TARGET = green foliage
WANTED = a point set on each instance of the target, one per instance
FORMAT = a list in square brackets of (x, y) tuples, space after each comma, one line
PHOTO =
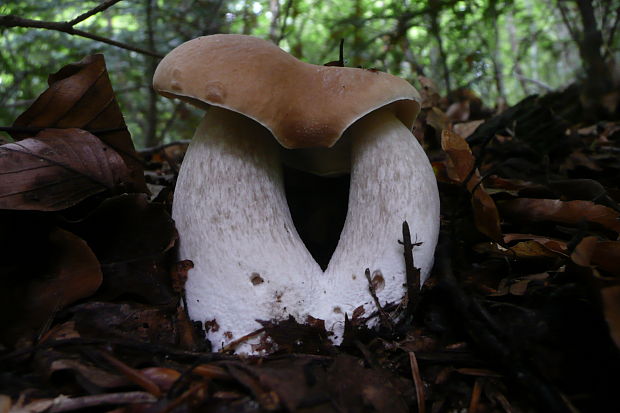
[(499, 48)]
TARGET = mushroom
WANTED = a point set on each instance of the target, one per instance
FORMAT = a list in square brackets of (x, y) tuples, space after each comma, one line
[(230, 207)]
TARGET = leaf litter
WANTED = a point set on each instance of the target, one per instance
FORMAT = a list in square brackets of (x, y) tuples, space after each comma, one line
[(520, 314)]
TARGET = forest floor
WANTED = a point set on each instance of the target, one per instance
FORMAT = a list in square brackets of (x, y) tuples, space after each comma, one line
[(521, 312)]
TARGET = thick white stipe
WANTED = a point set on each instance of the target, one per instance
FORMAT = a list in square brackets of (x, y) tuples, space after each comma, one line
[(249, 261)]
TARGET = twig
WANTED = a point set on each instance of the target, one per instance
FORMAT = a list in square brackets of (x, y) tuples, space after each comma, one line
[(474, 403), (194, 388), (538, 83), (132, 374), (103, 6), (10, 20), (412, 273), (382, 314), (65, 404), (28, 129), (573, 32), (418, 382), (233, 344), (340, 61)]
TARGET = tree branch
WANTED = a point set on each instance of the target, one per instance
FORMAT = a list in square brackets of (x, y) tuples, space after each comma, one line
[(66, 27), (103, 6)]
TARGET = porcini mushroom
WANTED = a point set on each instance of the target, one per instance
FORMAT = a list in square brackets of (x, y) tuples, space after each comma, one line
[(230, 206)]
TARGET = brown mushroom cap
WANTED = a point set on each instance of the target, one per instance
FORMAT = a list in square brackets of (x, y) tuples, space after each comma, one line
[(302, 105)]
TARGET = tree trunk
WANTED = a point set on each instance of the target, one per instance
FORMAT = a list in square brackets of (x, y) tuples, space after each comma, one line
[(495, 53), (434, 10), (598, 76), (150, 134)]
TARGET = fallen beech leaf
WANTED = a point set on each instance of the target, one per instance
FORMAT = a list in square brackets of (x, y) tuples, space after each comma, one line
[(429, 93), (570, 212), (458, 111), (57, 169), (72, 273), (550, 244), (459, 168), (80, 95), (466, 129), (607, 256), (437, 119), (611, 308), (582, 254), (461, 160), (531, 249), (603, 254)]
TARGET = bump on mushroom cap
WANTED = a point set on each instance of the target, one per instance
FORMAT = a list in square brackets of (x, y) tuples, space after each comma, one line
[(302, 105)]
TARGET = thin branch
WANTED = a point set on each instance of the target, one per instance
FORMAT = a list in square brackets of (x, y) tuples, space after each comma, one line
[(385, 319), (65, 27), (103, 6), (538, 83), (566, 20), (612, 33), (287, 12)]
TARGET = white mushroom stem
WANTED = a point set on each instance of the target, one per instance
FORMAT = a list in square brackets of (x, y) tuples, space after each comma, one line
[(391, 181), (234, 224), (249, 262)]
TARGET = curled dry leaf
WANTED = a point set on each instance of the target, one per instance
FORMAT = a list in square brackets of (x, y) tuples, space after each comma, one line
[(570, 212), (459, 167), (80, 95), (57, 169)]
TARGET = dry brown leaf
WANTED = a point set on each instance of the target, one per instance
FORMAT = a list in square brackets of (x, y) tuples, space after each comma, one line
[(467, 128), (553, 245), (72, 273), (582, 254), (57, 169), (603, 254), (437, 119), (607, 256), (570, 212), (163, 377), (429, 93), (80, 95), (458, 111), (459, 167), (531, 249)]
